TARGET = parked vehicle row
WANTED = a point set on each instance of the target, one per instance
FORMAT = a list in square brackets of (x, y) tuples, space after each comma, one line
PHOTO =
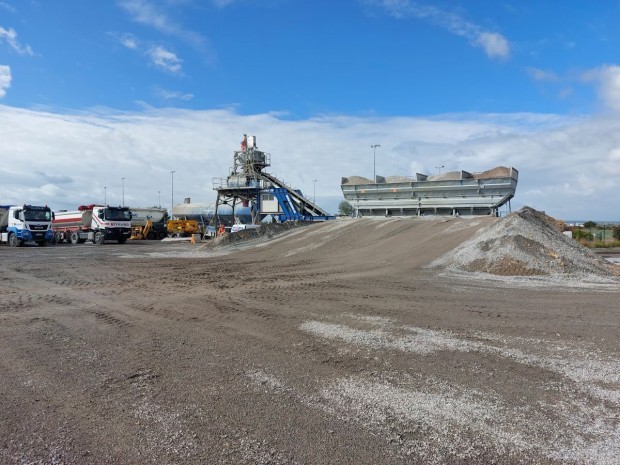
[(95, 223)]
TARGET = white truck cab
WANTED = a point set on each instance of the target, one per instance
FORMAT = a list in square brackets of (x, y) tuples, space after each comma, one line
[(26, 223)]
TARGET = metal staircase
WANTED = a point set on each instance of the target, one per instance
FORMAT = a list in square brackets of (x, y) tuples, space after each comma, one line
[(301, 205)]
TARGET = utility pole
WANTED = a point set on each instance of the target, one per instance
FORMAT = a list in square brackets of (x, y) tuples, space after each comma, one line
[(123, 189), (314, 191), (172, 196), (374, 161), (105, 196)]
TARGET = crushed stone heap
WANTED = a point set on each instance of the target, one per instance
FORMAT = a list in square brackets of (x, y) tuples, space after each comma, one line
[(524, 243)]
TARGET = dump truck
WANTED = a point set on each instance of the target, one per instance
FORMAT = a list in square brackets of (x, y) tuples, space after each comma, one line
[(96, 223), (26, 223), (149, 223)]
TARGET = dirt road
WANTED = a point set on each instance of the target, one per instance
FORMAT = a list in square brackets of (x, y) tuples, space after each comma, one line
[(331, 344)]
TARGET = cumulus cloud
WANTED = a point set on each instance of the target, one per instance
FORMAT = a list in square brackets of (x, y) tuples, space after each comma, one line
[(5, 79), (494, 44), (566, 165), (165, 59), (607, 79), (10, 37)]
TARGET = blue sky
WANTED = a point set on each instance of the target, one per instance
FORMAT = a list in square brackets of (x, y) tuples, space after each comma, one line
[(92, 91)]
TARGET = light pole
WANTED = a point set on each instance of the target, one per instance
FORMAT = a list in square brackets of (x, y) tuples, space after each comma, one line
[(123, 189), (374, 161), (172, 197), (105, 196), (159, 198), (438, 168), (314, 191)]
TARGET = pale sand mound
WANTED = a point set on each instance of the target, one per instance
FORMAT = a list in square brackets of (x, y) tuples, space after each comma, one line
[(524, 243)]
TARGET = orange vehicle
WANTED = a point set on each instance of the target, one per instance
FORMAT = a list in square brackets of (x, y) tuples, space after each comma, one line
[(183, 228)]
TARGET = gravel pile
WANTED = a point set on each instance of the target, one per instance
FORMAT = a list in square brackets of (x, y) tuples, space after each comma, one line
[(392, 179), (355, 180), (524, 243), (498, 172), (447, 176)]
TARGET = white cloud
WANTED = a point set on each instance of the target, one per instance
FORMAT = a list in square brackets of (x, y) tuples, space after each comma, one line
[(608, 80), (10, 36), (173, 95), (611, 162), (566, 166), (165, 59), (542, 75), (129, 41), (158, 55), (146, 12), (5, 79), (494, 44)]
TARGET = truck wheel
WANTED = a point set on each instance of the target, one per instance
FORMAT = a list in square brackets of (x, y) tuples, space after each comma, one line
[(75, 238), (150, 236), (58, 237), (99, 238), (162, 235), (122, 240), (13, 240)]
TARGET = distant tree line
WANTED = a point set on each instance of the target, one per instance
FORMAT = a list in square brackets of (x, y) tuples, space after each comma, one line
[(585, 232), (345, 209)]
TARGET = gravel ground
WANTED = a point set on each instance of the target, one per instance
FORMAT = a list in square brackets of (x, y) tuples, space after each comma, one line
[(332, 343)]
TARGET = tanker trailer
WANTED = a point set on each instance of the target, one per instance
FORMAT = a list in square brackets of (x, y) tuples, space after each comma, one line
[(149, 223), (203, 213), (94, 223), (19, 224)]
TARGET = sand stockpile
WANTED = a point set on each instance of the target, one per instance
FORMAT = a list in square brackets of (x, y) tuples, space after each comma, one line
[(498, 172), (524, 243)]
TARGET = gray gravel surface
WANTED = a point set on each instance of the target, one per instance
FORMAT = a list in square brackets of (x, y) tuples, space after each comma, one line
[(331, 343)]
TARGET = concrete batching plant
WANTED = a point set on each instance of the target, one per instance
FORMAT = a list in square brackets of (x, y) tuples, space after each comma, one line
[(249, 186)]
